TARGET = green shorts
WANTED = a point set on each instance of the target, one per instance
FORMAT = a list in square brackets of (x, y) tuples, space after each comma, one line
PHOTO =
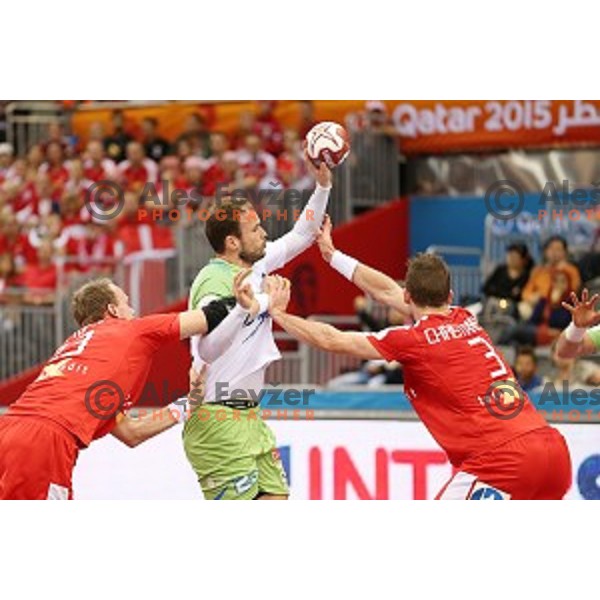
[(233, 453)]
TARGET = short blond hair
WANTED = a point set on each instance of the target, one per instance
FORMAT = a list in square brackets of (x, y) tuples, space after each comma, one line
[(90, 302)]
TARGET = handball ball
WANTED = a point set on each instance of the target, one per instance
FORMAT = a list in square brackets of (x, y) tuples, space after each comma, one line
[(327, 142)]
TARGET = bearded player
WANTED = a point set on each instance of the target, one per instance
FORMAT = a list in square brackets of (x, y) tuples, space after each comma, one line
[(453, 374), (85, 389), (233, 454)]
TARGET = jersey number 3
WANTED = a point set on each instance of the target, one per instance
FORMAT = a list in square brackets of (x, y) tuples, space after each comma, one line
[(491, 354)]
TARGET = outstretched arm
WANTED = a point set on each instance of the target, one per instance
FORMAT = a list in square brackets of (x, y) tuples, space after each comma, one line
[(319, 335), (203, 320), (577, 339), (326, 337), (378, 285), (132, 431), (306, 228)]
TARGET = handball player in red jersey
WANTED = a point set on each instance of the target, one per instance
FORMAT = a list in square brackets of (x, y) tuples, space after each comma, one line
[(86, 388), (458, 383)]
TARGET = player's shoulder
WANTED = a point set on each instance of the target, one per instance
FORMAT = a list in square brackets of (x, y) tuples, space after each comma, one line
[(214, 279), (215, 270), (391, 332)]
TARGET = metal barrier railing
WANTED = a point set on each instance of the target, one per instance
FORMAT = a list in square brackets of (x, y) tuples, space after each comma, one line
[(320, 367), (372, 169), (27, 336), (27, 123)]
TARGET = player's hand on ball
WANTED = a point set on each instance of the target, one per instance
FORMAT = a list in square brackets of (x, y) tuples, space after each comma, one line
[(582, 311), (279, 290), (322, 174), (243, 291), (324, 240)]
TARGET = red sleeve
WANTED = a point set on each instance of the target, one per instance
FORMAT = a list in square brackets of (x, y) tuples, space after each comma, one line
[(158, 329), (395, 343)]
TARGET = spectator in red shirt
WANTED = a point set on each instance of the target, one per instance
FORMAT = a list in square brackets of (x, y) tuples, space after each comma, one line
[(15, 242), (183, 151), (137, 170), (156, 147), (94, 251), (138, 232), (268, 128), (55, 168), (194, 168), (40, 278), (74, 214), (35, 157), (57, 135), (96, 166), (258, 167), (291, 167), (216, 171), (77, 182)]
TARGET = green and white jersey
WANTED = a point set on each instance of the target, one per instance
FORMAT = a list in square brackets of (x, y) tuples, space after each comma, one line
[(240, 349)]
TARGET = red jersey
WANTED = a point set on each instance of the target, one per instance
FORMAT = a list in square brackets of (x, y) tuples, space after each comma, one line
[(450, 365), (109, 361)]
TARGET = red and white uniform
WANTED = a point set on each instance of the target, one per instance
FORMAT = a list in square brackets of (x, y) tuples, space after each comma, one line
[(62, 411), (102, 171), (450, 365), (135, 177), (58, 175)]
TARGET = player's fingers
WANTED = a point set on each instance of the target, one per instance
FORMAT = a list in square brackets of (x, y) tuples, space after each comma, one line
[(568, 307), (593, 300), (241, 276)]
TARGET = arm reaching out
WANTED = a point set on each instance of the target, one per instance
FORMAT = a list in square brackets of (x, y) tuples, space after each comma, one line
[(133, 431), (204, 320), (306, 228), (319, 335), (378, 285), (576, 340)]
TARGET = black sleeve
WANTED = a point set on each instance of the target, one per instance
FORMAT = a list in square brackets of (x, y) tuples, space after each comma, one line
[(217, 310)]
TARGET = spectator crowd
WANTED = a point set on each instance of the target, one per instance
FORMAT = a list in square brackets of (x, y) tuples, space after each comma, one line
[(47, 231)]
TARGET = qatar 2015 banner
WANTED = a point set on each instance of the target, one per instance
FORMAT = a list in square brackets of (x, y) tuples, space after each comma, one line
[(421, 126)]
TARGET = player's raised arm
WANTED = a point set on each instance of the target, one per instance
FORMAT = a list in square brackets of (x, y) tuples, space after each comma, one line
[(319, 335), (378, 285), (204, 320), (306, 228), (578, 339)]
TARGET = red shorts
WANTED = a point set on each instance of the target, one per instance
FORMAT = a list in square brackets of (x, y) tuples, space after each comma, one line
[(533, 466), (37, 457)]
